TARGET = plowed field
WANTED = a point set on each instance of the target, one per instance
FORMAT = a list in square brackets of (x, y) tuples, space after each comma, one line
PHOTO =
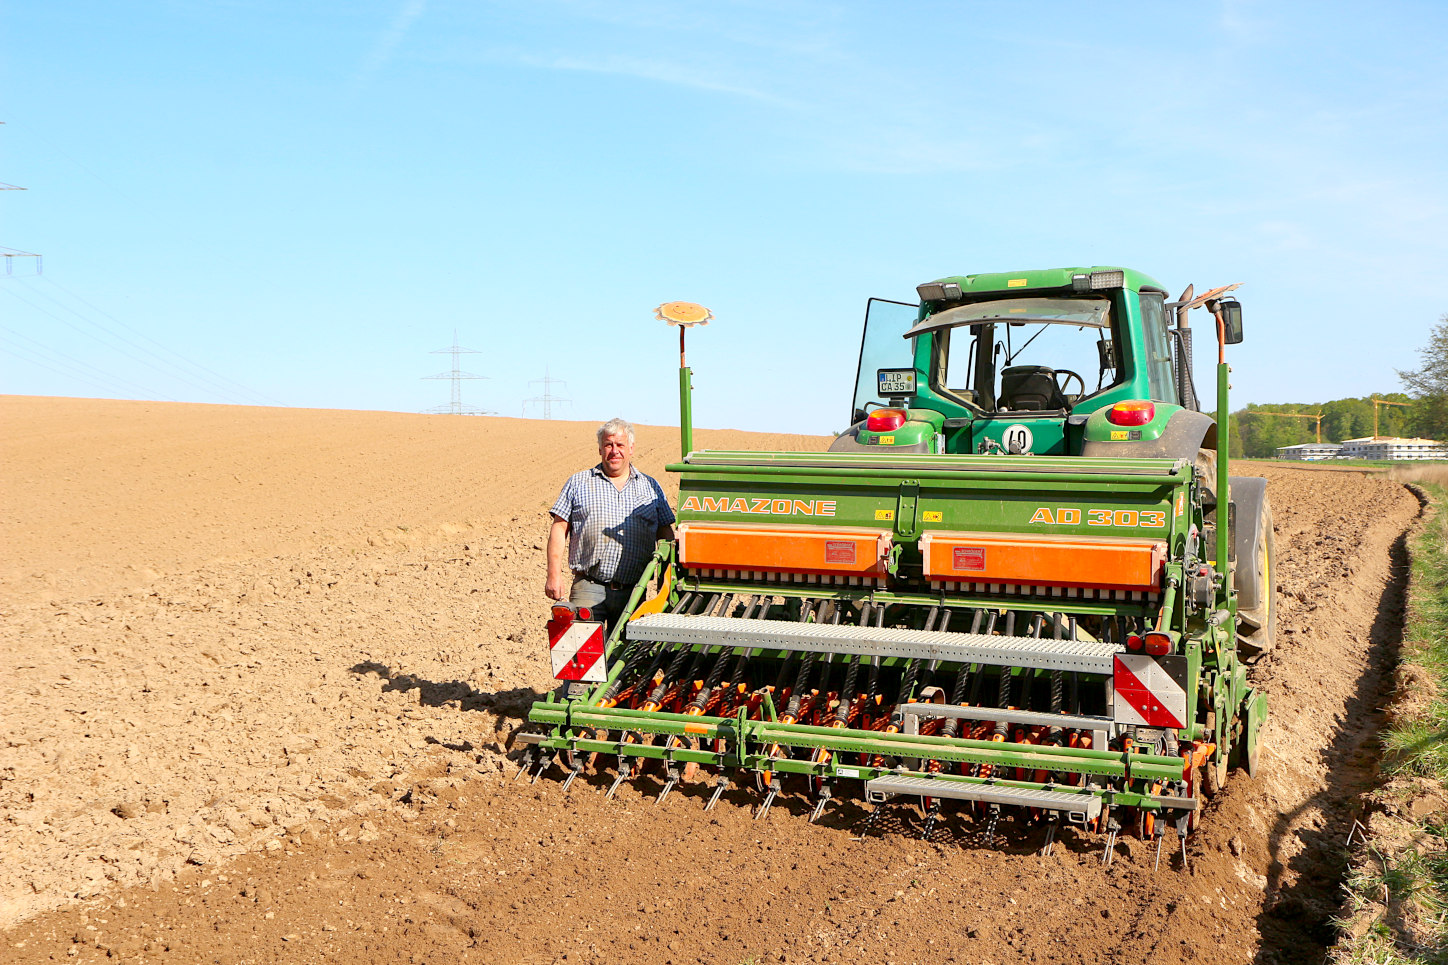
[(263, 665)]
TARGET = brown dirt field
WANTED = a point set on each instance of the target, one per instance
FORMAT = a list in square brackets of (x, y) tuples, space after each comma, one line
[(264, 664)]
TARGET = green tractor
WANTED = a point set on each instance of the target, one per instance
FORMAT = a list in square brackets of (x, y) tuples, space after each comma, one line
[(1000, 363), (1010, 590)]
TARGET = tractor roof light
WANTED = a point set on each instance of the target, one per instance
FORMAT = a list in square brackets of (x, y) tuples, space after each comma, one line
[(1108, 279), (939, 291), (1159, 643), (1080, 283), (1137, 412), (885, 420)]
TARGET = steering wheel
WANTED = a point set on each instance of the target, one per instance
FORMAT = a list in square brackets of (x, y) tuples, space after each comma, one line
[(1069, 375)]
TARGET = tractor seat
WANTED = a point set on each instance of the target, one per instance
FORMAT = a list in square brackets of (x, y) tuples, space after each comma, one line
[(1030, 388)]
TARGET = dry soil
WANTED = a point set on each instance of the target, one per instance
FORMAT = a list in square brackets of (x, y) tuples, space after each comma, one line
[(264, 664)]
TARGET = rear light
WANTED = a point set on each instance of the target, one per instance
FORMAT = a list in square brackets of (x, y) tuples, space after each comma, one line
[(584, 613), (1133, 641), (1135, 413), (1158, 643), (562, 611), (885, 420)]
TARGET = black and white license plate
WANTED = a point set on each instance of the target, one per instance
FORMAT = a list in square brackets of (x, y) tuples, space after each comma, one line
[(896, 382)]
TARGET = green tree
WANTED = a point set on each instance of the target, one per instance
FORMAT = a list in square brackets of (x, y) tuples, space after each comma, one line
[(1428, 385)]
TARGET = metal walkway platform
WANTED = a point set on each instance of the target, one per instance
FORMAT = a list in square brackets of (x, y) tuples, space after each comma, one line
[(1072, 655)]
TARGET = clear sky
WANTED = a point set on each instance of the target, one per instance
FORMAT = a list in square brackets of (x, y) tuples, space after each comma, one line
[(294, 203)]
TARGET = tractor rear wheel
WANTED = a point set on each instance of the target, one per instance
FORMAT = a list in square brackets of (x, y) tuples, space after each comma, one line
[(1257, 627)]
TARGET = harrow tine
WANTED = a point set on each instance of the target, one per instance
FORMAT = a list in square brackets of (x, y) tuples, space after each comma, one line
[(1110, 846), (768, 800), (1052, 826), (527, 763), (668, 786), (870, 820), (573, 773), (931, 817), (1160, 837), (819, 807), (543, 762), (623, 775), (719, 788), (990, 824), (1183, 839)]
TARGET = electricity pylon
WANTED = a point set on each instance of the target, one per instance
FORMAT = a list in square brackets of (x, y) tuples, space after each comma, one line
[(457, 375), (547, 398)]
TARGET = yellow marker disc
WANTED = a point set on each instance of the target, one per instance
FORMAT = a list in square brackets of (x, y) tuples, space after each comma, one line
[(683, 313)]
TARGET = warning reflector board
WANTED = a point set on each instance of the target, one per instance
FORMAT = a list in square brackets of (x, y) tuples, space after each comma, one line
[(1150, 690), (576, 649)]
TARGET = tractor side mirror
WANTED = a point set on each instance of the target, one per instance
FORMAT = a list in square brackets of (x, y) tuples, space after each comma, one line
[(1231, 310)]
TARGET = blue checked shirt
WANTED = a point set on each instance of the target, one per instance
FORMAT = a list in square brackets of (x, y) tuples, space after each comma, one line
[(611, 531)]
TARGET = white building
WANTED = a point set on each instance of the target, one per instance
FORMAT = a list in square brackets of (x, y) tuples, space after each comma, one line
[(1386, 447), (1309, 451)]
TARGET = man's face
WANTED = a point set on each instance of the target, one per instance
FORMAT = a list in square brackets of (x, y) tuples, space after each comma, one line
[(616, 452)]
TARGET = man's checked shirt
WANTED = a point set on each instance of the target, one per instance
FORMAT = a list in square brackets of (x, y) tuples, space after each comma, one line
[(611, 531)]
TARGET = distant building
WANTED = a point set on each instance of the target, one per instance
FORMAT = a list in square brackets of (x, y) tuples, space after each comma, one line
[(1309, 451), (1386, 447)]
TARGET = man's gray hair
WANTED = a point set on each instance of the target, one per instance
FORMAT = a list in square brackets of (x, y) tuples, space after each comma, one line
[(613, 426)]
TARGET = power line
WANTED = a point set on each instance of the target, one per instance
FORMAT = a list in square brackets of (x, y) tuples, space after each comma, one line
[(218, 381), (456, 376), (178, 375), (78, 368), (547, 398)]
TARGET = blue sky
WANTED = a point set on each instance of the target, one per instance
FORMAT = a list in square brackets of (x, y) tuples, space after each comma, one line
[(294, 204)]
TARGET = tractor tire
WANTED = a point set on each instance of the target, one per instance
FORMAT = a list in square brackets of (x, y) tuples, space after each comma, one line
[(1257, 596)]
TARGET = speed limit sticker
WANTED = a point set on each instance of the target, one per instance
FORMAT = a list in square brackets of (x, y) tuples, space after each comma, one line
[(1017, 438)]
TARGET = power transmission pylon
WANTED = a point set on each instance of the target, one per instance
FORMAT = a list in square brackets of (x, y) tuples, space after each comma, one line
[(10, 254), (457, 375), (547, 398)]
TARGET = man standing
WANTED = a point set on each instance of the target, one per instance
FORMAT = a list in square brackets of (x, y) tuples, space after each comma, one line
[(609, 518)]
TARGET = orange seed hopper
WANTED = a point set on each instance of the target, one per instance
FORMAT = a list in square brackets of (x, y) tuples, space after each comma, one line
[(1071, 566), (800, 554)]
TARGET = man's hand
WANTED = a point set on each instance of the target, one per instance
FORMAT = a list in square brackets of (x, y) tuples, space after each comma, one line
[(557, 545)]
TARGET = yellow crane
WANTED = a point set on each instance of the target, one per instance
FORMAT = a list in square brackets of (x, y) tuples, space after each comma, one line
[(1380, 402), (1298, 415)]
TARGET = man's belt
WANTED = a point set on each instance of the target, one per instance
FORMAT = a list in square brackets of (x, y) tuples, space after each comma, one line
[(610, 584)]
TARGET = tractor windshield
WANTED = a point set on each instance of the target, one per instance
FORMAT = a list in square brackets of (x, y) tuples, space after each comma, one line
[(882, 348), (1024, 354)]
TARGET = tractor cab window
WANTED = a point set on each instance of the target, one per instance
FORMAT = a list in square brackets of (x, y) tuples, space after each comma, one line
[(883, 347), (1032, 354), (1160, 376)]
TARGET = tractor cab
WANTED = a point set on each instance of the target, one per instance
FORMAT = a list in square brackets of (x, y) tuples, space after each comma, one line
[(1011, 363)]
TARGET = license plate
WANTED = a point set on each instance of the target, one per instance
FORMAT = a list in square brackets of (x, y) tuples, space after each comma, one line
[(894, 382)]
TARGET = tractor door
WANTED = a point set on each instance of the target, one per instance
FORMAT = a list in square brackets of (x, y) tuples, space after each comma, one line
[(882, 347)]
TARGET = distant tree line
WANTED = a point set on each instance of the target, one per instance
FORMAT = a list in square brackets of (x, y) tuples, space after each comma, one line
[(1259, 430)]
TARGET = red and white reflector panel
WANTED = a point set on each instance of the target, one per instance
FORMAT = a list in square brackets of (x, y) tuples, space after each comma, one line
[(576, 649), (1150, 690)]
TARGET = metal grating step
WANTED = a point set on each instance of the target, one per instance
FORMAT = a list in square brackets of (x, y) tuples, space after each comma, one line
[(1087, 656), (1074, 802)]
